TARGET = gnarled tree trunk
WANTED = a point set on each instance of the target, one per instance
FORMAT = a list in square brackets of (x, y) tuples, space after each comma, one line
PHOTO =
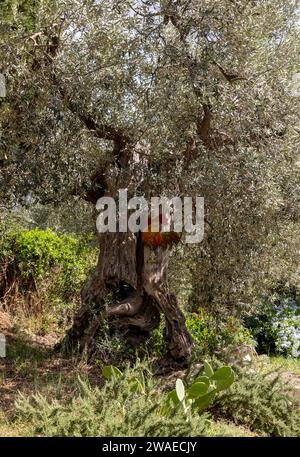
[(138, 273)]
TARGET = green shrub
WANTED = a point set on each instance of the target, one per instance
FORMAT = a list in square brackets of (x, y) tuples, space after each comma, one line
[(37, 252), (210, 335), (42, 270), (260, 402), (127, 405), (157, 342), (202, 329)]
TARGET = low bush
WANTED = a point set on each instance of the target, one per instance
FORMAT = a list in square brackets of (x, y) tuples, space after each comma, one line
[(127, 405), (42, 270), (134, 403), (211, 335), (260, 401)]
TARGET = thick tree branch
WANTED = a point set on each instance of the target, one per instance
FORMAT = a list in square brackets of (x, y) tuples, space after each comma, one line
[(230, 77), (204, 124), (102, 131), (128, 307)]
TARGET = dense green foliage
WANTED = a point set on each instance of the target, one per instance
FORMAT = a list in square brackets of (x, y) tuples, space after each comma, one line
[(36, 252), (210, 334), (262, 402), (42, 272), (20, 13)]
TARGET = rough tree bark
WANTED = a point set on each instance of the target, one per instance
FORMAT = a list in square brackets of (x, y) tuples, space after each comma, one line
[(126, 264)]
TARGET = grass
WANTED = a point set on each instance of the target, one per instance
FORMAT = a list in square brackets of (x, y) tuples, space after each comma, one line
[(9, 429), (229, 429), (291, 365)]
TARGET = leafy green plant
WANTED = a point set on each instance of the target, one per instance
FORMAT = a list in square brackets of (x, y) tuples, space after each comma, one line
[(233, 332), (40, 253), (111, 372), (202, 328), (210, 335), (157, 343), (42, 272), (202, 392)]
